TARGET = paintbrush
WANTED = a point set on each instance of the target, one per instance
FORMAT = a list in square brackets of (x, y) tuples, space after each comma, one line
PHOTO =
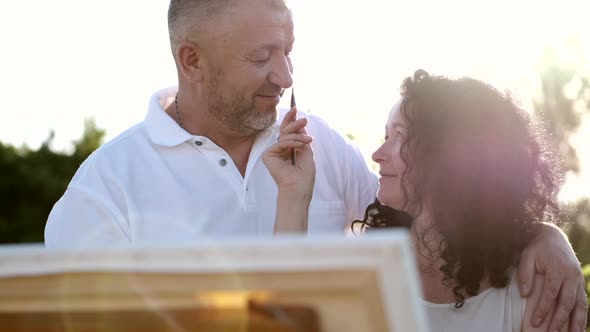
[(293, 105)]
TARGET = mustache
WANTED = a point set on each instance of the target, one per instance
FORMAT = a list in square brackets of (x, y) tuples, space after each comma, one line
[(271, 90)]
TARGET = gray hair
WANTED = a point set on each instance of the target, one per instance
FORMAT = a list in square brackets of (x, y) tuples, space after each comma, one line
[(197, 13)]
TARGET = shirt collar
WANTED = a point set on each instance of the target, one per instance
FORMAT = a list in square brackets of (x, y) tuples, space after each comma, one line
[(164, 130)]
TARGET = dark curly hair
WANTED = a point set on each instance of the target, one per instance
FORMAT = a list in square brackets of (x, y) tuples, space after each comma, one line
[(481, 167)]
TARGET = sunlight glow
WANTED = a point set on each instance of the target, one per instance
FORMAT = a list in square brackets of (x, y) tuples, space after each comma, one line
[(68, 60)]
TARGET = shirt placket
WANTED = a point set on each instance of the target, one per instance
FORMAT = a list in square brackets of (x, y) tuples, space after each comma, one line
[(218, 158), (261, 144)]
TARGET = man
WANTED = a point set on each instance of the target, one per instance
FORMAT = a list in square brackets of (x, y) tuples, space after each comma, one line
[(192, 168)]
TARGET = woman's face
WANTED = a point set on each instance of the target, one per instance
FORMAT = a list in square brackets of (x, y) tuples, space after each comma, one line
[(391, 166)]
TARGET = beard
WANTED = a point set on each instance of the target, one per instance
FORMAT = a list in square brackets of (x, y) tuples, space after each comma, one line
[(237, 110)]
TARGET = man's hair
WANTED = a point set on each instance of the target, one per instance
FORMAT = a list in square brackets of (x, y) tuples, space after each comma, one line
[(187, 15), (195, 12)]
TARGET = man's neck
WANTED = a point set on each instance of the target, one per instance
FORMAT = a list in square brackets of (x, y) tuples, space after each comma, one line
[(239, 151), (200, 123)]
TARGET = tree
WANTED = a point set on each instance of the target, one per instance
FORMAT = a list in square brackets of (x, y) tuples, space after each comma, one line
[(32, 181), (565, 98)]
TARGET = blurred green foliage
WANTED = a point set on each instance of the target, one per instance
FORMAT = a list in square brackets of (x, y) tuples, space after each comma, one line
[(31, 181), (565, 99), (586, 271)]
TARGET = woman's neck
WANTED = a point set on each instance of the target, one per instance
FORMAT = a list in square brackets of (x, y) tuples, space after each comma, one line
[(427, 242), (427, 246)]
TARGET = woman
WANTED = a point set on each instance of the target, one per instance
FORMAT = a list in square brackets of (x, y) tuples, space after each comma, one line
[(470, 169)]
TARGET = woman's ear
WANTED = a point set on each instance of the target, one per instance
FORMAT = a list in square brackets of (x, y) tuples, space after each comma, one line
[(189, 61)]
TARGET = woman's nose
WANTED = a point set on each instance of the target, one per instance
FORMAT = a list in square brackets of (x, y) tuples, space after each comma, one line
[(378, 156)]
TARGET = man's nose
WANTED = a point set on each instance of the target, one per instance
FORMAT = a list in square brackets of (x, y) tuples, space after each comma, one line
[(282, 73)]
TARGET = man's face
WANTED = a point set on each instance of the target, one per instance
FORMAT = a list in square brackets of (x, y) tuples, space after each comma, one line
[(249, 66)]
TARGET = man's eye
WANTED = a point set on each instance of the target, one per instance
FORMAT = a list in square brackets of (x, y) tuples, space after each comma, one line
[(259, 57)]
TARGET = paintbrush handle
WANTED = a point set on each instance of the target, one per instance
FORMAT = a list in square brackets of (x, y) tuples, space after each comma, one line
[(293, 105)]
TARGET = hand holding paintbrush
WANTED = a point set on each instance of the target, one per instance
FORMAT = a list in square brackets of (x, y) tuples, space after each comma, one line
[(295, 181), (292, 141)]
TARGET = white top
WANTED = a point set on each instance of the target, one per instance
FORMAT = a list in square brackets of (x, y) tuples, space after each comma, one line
[(156, 183), (493, 310)]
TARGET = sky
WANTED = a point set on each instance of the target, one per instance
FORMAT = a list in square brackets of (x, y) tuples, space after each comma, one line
[(64, 61)]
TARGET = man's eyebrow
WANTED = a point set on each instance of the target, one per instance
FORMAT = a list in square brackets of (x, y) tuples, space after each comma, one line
[(270, 46)]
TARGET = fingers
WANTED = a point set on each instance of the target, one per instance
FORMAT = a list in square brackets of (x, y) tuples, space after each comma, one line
[(290, 141), (289, 117), (291, 123), (526, 273), (284, 147), (296, 137), (294, 127), (551, 286), (579, 316), (565, 304)]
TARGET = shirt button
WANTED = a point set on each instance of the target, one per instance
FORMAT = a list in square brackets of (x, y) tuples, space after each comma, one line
[(222, 162), (198, 143)]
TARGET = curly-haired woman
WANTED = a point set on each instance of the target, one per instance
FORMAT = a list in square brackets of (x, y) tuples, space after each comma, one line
[(471, 171)]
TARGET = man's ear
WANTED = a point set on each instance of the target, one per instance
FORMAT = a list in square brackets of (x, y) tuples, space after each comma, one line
[(190, 61)]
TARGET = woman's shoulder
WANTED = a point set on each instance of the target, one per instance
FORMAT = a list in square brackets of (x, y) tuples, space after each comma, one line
[(493, 309)]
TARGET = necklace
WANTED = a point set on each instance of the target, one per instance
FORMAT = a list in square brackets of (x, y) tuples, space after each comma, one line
[(178, 120)]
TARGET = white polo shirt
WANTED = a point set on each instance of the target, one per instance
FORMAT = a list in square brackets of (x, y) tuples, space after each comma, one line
[(156, 183)]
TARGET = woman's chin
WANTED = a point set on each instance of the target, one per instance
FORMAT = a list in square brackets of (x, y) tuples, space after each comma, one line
[(390, 202), (385, 200)]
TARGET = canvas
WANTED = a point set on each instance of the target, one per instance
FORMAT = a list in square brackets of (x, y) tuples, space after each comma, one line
[(295, 283)]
